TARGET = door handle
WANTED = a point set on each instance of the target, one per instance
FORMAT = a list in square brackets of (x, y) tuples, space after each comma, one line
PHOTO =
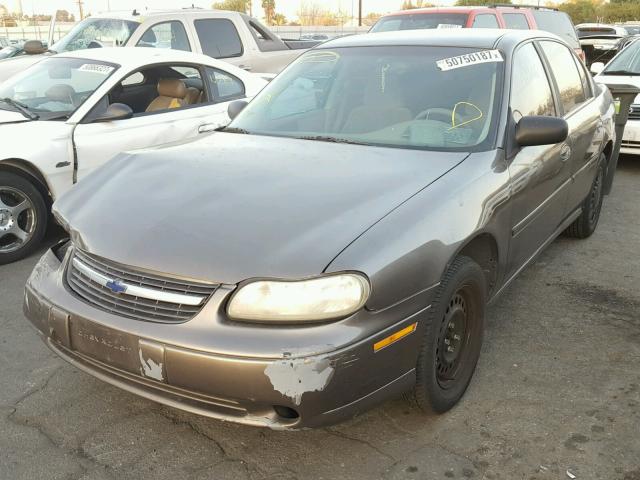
[(565, 152), (245, 67), (208, 127)]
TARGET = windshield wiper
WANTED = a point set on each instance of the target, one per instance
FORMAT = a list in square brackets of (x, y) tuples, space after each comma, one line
[(21, 107), (619, 72), (324, 138), (241, 131)]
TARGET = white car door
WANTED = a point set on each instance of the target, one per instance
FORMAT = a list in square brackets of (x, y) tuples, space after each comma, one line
[(98, 142)]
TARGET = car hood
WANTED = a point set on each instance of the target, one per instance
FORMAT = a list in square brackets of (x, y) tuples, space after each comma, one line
[(230, 207), (9, 116)]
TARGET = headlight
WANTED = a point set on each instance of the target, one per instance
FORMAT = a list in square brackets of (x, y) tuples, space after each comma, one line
[(317, 299)]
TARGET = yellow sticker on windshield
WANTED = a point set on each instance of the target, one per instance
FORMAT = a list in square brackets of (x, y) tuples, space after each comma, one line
[(485, 56)]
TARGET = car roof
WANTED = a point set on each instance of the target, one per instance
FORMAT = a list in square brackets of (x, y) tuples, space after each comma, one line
[(140, 16), (462, 37), (132, 57), (454, 9)]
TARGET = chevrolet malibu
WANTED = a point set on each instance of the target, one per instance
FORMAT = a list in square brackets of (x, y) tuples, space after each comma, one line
[(337, 243)]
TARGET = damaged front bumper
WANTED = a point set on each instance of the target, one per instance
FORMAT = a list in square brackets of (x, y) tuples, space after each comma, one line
[(202, 367)]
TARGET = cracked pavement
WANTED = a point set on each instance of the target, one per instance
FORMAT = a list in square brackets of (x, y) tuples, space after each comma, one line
[(557, 389)]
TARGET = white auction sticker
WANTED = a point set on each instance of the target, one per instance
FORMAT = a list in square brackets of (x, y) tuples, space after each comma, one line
[(96, 68), (448, 25), (484, 56)]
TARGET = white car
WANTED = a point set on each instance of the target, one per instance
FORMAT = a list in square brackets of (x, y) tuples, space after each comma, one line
[(70, 113), (624, 69)]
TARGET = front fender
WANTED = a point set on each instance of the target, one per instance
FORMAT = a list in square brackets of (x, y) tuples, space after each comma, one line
[(407, 252)]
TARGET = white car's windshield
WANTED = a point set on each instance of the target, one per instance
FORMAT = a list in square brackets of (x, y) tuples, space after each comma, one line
[(96, 33), (627, 62), (440, 98), (54, 87)]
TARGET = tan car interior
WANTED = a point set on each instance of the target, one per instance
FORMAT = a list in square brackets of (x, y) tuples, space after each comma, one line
[(173, 93)]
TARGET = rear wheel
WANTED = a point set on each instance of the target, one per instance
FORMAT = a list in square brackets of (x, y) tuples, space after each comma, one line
[(453, 337), (23, 217), (586, 223)]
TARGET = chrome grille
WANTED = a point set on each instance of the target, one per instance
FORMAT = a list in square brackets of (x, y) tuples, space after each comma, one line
[(122, 291), (634, 112)]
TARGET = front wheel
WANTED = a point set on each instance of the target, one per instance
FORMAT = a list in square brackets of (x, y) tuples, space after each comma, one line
[(23, 217), (453, 337), (586, 223)]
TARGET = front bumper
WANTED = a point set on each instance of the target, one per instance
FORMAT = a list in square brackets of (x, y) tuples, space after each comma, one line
[(173, 365), (631, 138)]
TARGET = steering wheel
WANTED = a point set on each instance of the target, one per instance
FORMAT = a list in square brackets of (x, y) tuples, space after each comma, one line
[(441, 113), (62, 93)]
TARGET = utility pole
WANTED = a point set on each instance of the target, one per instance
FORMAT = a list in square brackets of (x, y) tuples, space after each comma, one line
[(359, 13), (80, 3)]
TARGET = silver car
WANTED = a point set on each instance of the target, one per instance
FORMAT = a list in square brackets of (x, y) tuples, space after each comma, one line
[(337, 244)]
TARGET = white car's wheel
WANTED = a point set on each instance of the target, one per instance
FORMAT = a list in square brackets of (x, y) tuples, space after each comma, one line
[(23, 217)]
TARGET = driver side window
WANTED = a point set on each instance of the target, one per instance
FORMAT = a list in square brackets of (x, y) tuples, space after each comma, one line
[(530, 89)]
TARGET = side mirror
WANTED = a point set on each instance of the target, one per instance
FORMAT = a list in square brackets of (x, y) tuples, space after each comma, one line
[(115, 111), (596, 67), (536, 130), (235, 108), (34, 47)]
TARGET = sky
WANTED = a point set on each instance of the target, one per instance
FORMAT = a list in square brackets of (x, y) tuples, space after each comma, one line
[(287, 7)]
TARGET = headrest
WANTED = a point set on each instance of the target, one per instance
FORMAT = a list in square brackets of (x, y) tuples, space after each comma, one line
[(33, 47), (60, 93), (171, 87)]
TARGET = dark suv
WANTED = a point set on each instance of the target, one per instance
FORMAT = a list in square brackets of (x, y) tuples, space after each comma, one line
[(513, 17)]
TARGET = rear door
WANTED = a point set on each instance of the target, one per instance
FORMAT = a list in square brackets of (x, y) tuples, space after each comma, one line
[(540, 175), (579, 109)]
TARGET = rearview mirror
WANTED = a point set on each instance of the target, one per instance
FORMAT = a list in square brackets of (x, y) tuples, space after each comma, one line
[(596, 67), (234, 108), (115, 111), (537, 130), (34, 47)]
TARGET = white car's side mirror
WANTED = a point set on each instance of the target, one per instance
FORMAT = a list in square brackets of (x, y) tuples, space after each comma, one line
[(597, 67)]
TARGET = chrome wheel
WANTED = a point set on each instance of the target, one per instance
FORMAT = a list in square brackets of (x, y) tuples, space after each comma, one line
[(18, 220)]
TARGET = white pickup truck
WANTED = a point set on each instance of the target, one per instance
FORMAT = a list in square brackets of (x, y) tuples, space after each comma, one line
[(230, 36)]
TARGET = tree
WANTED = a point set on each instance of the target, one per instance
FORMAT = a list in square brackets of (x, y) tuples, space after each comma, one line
[(409, 5), (312, 13), (64, 16), (242, 6), (581, 11), (269, 7), (279, 19), (473, 3), (371, 19)]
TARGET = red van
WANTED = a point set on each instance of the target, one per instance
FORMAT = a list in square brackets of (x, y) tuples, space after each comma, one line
[(498, 16)]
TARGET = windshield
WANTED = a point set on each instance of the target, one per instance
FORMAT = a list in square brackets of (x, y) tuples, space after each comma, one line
[(56, 86), (628, 61), (420, 21), (96, 33), (439, 98), (8, 52)]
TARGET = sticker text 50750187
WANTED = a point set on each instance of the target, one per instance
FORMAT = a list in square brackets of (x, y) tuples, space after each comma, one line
[(484, 56)]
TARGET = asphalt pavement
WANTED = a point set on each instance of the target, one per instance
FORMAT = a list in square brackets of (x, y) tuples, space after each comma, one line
[(556, 393)]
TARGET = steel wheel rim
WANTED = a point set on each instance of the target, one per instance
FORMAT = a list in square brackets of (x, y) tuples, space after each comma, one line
[(596, 196), (452, 346), (18, 219)]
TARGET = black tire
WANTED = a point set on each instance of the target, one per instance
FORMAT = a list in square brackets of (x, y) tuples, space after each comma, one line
[(34, 219), (586, 223), (442, 376)]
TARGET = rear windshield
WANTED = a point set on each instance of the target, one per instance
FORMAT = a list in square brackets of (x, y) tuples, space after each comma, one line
[(558, 23), (590, 31), (420, 21)]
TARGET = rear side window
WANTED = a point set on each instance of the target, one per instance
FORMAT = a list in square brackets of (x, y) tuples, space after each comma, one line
[(558, 23), (584, 78), (515, 21), (218, 37), (566, 74), (166, 35), (224, 85), (530, 89), (420, 21), (485, 21)]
